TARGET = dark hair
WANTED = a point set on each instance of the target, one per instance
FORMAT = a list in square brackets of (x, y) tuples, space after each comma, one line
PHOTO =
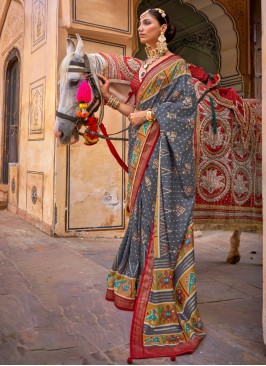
[(171, 29)]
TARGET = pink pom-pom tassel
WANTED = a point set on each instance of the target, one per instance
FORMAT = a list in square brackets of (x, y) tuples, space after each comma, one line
[(84, 93)]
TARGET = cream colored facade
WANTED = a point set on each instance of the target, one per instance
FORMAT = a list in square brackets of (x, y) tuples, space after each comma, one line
[(25, 26)]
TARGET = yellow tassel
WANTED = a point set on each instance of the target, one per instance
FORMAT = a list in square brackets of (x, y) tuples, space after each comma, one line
[(83, 105)]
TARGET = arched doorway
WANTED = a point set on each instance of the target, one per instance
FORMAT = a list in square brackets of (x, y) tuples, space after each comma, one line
[(206, 36), (196, 40), (11, 117)]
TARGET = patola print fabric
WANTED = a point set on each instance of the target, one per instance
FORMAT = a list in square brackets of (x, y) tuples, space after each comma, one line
[(227, 148), (228, 161), (153, 273)]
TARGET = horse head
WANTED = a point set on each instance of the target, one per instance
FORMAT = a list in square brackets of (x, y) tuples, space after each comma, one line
[(74, 68)]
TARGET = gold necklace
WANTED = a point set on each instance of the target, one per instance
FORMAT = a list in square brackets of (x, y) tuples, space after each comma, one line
[(152, 56), (147, 63)]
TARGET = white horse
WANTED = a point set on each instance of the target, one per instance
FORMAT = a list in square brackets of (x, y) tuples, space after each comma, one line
[(72, 70)]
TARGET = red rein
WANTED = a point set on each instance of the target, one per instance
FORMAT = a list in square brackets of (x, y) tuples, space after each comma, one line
[(84, 96)]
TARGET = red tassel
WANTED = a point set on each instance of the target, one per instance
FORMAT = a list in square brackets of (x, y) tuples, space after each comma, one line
[(172, 358), (91, 139), (129, 361), (84, 93)]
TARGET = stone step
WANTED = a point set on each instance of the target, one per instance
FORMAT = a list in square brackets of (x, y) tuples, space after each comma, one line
[(3, 205), (3, 192)]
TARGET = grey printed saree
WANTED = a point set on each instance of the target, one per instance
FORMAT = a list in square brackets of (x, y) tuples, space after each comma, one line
[(153, 272)]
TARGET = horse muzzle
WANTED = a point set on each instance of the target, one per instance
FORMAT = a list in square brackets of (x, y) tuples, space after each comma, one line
[(67, 133)]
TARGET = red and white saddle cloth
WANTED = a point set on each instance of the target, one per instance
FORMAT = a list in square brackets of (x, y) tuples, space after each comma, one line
[(228, 162)]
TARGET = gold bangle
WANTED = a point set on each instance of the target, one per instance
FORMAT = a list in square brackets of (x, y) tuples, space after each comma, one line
[(150, 116), (113, 102)]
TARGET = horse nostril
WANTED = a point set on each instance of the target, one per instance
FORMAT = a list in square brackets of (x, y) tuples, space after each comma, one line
[(60, 134)]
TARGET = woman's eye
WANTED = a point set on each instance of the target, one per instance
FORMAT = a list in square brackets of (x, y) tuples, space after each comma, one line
[(74, 82)]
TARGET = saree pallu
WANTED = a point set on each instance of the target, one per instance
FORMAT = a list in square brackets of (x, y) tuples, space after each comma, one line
[(153, 272)]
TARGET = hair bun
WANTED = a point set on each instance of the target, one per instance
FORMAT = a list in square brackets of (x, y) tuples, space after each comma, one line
[(170, 33)]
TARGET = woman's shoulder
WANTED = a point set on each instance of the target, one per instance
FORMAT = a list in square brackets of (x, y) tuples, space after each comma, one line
[(173, 58), (178, 63), (178, 59)]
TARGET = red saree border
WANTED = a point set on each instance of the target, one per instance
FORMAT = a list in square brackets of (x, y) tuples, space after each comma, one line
[(154, 70), (120, 302), (169, 351), (144, 158), (137, 349), (152, 137)]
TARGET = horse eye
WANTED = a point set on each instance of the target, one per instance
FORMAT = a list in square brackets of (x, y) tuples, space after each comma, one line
[(74, 82)]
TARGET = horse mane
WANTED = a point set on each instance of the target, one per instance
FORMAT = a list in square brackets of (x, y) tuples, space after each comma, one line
[(97, 64), (64, 67)]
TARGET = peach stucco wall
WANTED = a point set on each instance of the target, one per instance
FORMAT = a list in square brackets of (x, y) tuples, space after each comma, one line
[(89, 184)]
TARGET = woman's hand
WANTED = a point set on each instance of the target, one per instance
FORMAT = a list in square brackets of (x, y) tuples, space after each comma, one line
[(137, 118), (104, 86)]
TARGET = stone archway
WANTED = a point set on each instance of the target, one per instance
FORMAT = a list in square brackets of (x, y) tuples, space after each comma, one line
[(225, 32), (11, 115), (11, 38), (229, 40)]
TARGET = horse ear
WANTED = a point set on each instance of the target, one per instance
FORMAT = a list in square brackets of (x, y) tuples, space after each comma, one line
[(79, 49), (70, 46)]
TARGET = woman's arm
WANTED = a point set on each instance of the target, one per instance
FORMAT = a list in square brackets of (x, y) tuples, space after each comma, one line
[(127, 110), (123, 108)]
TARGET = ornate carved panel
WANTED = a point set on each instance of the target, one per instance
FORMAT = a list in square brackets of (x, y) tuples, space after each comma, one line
[(35, 185), (239, 11), (13, 184), (205, 39), (37, 110), (39, 24)]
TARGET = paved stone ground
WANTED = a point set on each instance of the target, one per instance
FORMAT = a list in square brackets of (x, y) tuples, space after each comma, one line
[(52, 307)]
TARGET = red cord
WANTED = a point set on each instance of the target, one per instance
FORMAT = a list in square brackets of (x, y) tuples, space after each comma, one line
[(113, 149)]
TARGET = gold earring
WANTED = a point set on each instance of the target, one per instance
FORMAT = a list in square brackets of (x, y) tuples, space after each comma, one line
[(161, 44)]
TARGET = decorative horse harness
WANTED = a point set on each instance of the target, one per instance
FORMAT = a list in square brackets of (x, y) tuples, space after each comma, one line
[(94, 105)]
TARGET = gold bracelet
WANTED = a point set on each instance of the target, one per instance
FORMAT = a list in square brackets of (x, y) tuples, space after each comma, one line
[(113, 102), (150, 116)]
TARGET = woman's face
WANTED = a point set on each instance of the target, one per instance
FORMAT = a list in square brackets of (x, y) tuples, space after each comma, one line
[(150, 29)]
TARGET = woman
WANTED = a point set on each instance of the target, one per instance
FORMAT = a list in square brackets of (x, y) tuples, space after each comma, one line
[(153, 272)]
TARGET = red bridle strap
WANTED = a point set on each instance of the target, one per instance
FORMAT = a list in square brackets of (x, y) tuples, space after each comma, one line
[(113, 149)]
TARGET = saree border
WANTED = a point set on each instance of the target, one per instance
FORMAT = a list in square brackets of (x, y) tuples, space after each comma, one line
[(144, 158), (137, 349), (155, 70), (120, 302)]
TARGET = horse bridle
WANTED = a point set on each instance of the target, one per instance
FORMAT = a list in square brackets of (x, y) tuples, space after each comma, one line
[(94, 105)]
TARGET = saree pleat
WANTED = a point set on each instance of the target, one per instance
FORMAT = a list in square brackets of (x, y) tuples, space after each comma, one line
[(153, 273)]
